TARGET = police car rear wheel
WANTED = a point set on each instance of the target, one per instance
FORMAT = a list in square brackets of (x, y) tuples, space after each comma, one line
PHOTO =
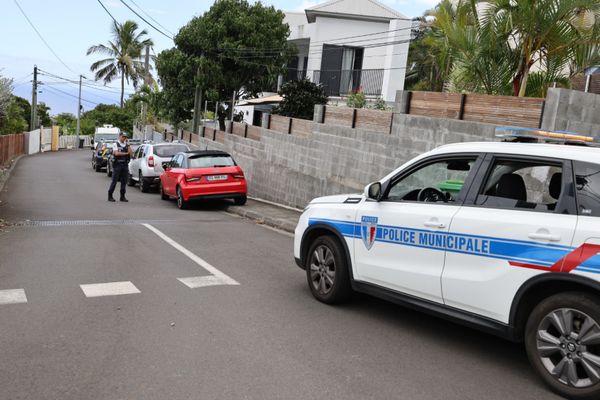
[(562, 339), (326, 271)]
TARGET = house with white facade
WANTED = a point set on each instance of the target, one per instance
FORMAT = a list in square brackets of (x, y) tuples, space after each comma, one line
[(350, 45)]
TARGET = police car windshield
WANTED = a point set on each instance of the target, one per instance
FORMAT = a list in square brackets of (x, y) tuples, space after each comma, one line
[(169, 150), (210, 161)]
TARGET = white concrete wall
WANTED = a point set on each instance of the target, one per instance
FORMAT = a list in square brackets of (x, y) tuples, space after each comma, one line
[(33, 142), (326, 30)]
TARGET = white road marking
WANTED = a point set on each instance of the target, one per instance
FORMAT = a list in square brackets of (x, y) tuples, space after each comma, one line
[(202, 281), (12, 296), (109, 289), (217, 276)]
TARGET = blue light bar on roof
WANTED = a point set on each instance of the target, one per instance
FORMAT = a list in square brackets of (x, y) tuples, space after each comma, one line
[(539, 135)]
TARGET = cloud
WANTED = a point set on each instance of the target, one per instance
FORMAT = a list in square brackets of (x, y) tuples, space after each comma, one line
[(307, 4)]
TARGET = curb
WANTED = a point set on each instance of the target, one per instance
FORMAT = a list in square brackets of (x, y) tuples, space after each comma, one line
[(259, 218), (6, 175)]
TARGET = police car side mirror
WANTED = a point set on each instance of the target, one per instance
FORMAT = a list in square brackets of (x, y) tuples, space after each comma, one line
[(373, 191)]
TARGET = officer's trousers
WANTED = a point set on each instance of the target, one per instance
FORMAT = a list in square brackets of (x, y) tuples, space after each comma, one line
[(120, 174)]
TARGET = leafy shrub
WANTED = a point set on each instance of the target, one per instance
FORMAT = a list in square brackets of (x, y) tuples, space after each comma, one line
[(357, 100), (300, 98), (380, 104)]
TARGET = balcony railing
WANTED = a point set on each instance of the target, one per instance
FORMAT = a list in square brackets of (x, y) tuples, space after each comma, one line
[(294, 75), (344, 82)]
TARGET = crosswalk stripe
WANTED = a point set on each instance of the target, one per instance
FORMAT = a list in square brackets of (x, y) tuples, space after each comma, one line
[(194, 282), (12, 296), (109, 289)]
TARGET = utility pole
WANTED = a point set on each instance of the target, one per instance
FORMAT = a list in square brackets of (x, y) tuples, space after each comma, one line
[(78, 114), (233, 104), (146, 82), (197, 101), (34, 99)]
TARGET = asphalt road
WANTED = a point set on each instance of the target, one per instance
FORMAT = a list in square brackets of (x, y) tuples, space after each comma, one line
[(266, 338)]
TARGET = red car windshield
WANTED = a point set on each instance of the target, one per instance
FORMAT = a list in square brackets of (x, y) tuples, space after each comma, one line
[(210, 162)]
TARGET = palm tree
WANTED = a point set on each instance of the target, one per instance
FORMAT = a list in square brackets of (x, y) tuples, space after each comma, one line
[(556, 34), (124, 53)]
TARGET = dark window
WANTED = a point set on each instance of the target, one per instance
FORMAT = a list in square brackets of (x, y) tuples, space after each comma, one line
[(169, 150), (587, 182), (210, 161), (438, 181), (176, 162), (522, 185)]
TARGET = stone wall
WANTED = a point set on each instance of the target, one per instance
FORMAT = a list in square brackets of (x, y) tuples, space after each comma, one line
[(292, 170), (572, 111)]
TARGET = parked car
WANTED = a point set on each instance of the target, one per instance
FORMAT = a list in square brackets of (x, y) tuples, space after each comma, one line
[(146, 165), (503, 237), (206, 174), (100, 155)]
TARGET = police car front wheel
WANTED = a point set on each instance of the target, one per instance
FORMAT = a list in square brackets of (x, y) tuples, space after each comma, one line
[(562, 339), (327, 271)]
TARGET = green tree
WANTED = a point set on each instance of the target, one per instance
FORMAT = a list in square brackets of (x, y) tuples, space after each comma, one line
[(23, 110), (239, 47), (122, 118), (43, 113), (14, 121), (177, 74), (67, 123), (124, 53), (6, 89), (300, 98), (556, 34)]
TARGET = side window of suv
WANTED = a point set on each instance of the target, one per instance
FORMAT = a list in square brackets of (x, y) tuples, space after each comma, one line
[(522, 185), (587, 182), (437, 181)]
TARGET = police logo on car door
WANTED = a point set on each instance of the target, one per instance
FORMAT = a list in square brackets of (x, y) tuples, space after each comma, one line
[(368, 230)]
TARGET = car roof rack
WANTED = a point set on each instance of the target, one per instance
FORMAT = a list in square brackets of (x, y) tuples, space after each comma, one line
[(530, 135)]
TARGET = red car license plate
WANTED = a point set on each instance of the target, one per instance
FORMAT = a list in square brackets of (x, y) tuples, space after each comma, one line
[(217, 177)]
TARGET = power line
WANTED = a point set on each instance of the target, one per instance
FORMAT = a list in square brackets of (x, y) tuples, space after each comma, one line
[(54, 90), (150, 16), (145, 20), (108, 12), (41, 37), (88, 83)]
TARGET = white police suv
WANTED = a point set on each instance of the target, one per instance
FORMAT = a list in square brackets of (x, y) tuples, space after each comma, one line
[(500, 236)]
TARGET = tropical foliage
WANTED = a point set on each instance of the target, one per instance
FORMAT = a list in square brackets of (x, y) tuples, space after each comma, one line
[(236, 46), (300, 98), (124, 56), (504, 47)]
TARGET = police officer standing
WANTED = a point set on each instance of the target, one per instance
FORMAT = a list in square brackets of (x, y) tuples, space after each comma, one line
[(122, 155)]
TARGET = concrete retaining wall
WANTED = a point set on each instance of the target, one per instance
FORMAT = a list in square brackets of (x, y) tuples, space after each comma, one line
[(292, 170), (572, 111)]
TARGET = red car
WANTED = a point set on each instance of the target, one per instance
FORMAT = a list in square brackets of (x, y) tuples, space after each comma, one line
[(206, 174)]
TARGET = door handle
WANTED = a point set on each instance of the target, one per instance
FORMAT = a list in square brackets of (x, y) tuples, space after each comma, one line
[(434, 224), (544, 236)]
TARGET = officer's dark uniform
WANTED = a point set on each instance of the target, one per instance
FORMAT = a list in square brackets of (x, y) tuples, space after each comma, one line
[(120, 171)]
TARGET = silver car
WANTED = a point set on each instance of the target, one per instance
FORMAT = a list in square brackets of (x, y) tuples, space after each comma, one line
[(145, 166)]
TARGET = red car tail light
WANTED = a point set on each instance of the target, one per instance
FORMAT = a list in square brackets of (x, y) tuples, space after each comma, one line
[(238, 175), (151, 161)]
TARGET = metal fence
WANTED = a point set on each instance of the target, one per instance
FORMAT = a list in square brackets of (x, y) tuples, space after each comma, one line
[(343, 82)]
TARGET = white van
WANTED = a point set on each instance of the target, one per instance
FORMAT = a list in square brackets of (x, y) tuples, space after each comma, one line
[(105, 133)]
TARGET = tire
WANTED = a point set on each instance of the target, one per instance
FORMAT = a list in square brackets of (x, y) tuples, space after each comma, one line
[(163, 195), (567, 350), (327, 271), (98, 167), (240, 201), (143, 184), (130, 181), (181, 203)]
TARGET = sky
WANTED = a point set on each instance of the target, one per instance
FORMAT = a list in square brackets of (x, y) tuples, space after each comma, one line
[(70, 27)]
